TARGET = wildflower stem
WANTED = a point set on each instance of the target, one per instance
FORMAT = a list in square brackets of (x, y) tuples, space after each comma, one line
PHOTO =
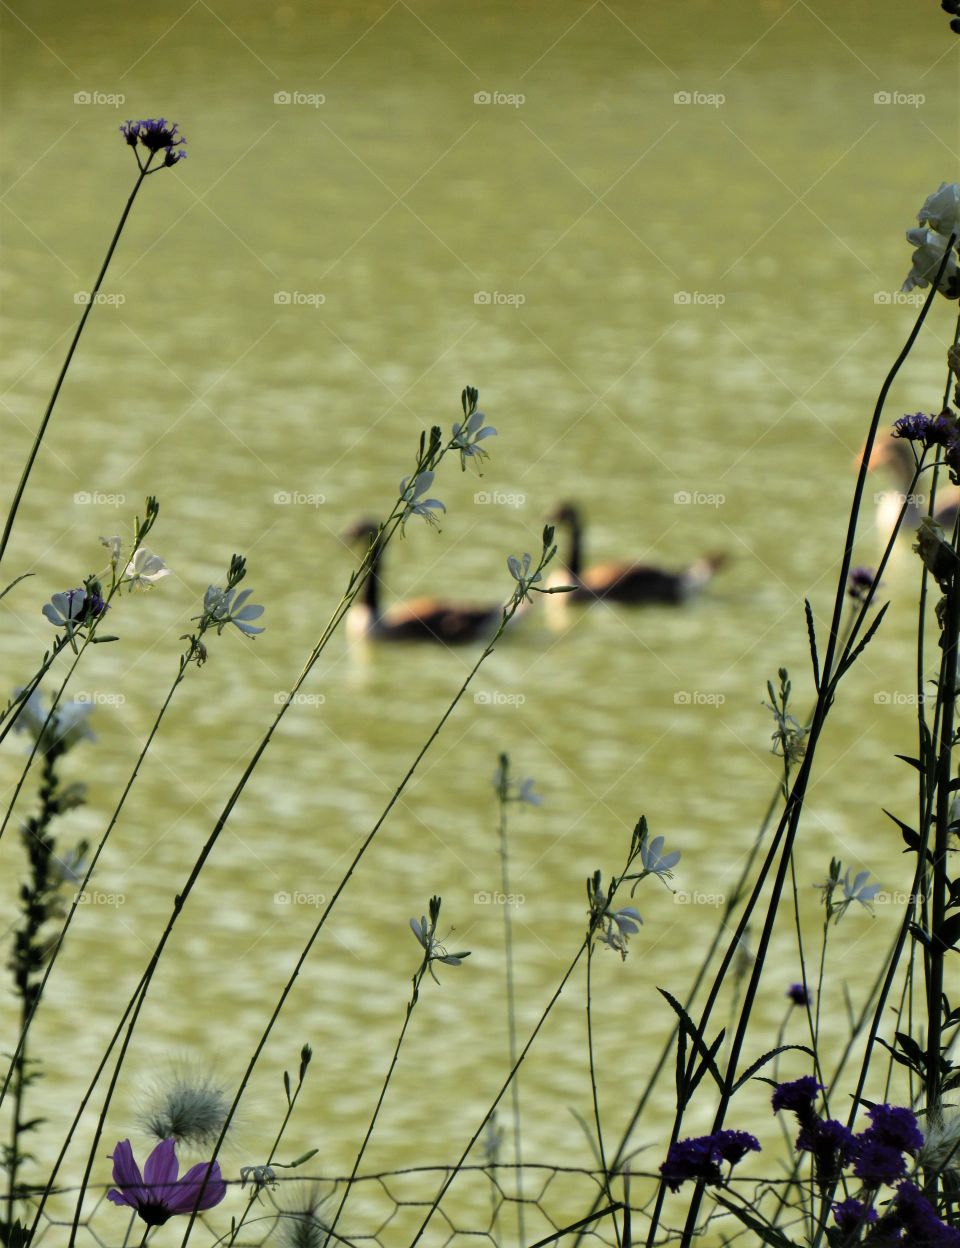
[(28, 466), (790, 820), (414, 997), (596, 1098), (458, 1166), (502, 798)]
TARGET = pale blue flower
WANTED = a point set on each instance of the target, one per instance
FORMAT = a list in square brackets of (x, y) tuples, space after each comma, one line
[(144, 569), (655, 862), (221, 608), (858, 889), (467, 434), (520, 571), (425, 931), (412, 490), (619, 926)]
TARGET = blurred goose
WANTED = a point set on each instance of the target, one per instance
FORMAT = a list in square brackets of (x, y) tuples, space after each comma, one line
[(896, 455), (624, 581), (420, 619)]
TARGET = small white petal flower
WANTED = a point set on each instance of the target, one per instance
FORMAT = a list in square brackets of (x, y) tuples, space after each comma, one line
[(113, 544), (858, 889), (411, 493), (526, 794), (520, 571), (654, 860), (66, 608), (930, 247), (144, 569), (222, 608), (468, 433), (941, 210)]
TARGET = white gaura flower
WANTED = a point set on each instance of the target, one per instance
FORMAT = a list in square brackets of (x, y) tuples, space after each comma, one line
[(941, 210), (113, 544), (222, 608), (520, 571), (930, 247), (411, 493), (144, 569), (66, 608), (858, 889), (468, 433)]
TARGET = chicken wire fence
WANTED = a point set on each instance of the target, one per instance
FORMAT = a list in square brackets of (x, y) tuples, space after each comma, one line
[(500, 1205)]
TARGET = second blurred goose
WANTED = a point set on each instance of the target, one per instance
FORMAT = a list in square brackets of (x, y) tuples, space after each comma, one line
[(419, 619), (624, 581)]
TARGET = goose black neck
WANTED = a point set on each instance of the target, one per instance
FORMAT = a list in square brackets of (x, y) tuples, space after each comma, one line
[(575, 549), (371, 589)]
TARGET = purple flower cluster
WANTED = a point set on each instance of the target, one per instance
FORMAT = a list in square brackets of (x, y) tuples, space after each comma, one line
[(797, 1096), (912, 1220), (851, 1215), (940, 430), (893, 1131), (156, 134), (798, 994), (859, 583), (700, 1157)]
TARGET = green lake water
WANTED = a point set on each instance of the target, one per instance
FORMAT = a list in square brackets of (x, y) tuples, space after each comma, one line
[(664, 242)]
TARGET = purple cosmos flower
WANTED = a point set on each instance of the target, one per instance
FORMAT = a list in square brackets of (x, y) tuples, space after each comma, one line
[(796, 992), (852, 1215), (157, 1194), (832, 1144), (929, 431), (797, 1096), (700, 1157)]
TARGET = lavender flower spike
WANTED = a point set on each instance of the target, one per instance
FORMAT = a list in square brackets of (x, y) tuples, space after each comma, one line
[(157, 1195)]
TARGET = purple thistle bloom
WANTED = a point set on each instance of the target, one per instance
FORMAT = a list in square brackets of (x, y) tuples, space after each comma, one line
[(914, 1214), (878, 1162), (158, 1194), (860, 582), (700, 1157), (929, 431), (156, 134), (798, 1096), (832, 1144), (895, 1126), (734, 1145), (796, 992), (852, 1215)]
